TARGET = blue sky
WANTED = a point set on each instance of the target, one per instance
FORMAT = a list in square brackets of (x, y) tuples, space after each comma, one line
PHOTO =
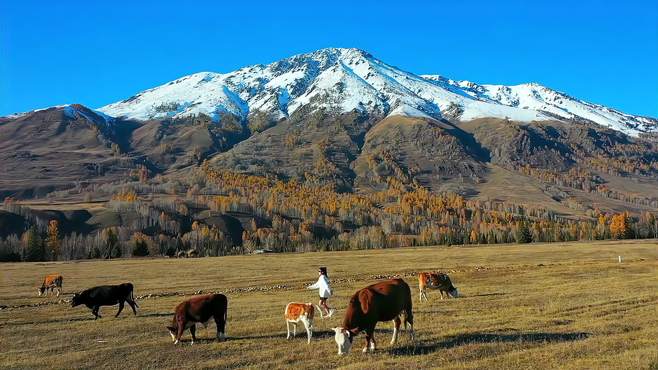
[(94, 53)]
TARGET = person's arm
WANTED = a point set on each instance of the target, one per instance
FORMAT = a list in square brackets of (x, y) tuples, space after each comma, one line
[(315, 286)]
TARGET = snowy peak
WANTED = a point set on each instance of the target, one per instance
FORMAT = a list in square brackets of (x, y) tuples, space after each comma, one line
[(555, 104), (344, 80)]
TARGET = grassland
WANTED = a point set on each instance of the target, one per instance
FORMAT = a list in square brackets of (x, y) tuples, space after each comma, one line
[(534, 306)]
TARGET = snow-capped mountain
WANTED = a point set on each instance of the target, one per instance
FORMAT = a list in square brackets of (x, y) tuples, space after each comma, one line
[(343, 80), (542, 99)]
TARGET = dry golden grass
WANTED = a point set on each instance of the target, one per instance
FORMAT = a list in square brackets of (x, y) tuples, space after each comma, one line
[(534, 306)]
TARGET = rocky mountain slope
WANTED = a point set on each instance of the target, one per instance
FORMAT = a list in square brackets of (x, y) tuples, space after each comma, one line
[(343, 117)]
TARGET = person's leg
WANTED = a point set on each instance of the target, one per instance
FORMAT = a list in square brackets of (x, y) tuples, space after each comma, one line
[(330, 311), (323, 305)]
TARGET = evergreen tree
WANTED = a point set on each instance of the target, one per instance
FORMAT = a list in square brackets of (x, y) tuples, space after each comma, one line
[(36, 250), (523, 234)]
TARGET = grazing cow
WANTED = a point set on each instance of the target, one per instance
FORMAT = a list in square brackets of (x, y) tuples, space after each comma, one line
[(385, 301), (436, 280), (106, 295), (199, 310), (304, 312), (50, 283)]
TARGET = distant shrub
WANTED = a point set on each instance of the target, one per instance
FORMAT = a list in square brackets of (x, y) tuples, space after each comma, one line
[(9, 256), (140, 249), (141, 246)]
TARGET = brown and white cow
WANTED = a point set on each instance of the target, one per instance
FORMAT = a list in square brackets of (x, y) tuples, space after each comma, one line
[(199, 310), (301, 312), (50, 283), (436, 280), (388, 300)]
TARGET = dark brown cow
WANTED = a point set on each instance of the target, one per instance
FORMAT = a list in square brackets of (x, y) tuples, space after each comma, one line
[(385, 301), (436, 280), (199, 310), (50, 283)]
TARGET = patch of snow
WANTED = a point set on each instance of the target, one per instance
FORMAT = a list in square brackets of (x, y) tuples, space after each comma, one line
[(407, 111)]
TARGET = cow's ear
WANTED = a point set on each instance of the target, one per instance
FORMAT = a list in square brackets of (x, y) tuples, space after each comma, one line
[(337, 329), (348, 333), (171, 328)]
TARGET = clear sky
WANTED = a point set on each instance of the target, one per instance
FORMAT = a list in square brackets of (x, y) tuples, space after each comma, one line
[(98, 52)]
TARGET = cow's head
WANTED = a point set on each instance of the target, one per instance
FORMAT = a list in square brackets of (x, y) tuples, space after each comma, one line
[(76, 300), (454, 293), (172, 331), (343, 339)]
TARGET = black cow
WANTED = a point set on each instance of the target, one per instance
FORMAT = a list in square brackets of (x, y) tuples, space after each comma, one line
[(106, 295)]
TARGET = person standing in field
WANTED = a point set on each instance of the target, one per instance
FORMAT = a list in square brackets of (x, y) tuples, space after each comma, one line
[(324, 290)]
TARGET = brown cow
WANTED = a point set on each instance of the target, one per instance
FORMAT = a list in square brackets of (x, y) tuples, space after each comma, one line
[(199, 310), (51, 282), (436, 280), (304, 312), (385, 301)]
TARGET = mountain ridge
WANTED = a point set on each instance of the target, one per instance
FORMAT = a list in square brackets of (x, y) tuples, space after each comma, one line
[(343, 79)]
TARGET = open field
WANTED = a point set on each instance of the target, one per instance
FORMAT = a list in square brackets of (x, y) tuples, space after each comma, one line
[(533, 306)]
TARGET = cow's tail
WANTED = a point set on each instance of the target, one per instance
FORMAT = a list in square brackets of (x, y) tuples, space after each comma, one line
[(319, 309), (132, 297)]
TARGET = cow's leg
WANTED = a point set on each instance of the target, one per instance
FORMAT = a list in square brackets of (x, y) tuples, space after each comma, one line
[(132, 305), (220, 322), (294, 329), (370, 340), (288, 329), (59, 290), (120, 309), (193, 332), (181, 329), (409, 319), (396, 329), (308, 326), (373, 345), (95, 312)]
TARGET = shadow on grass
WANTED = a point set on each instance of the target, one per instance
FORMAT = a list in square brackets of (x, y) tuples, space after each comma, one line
[(421, 348), (484, 295), (90, 318), (55, 321), (319, 334), (155, 314)]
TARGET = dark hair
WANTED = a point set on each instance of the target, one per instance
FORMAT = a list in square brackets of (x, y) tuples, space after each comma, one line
[(323, 270)]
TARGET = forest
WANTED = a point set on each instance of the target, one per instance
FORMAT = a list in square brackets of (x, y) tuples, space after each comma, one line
[(212, 212)]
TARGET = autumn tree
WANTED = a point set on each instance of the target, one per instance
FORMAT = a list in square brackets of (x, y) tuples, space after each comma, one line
[(53, 241), (620, 227)]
